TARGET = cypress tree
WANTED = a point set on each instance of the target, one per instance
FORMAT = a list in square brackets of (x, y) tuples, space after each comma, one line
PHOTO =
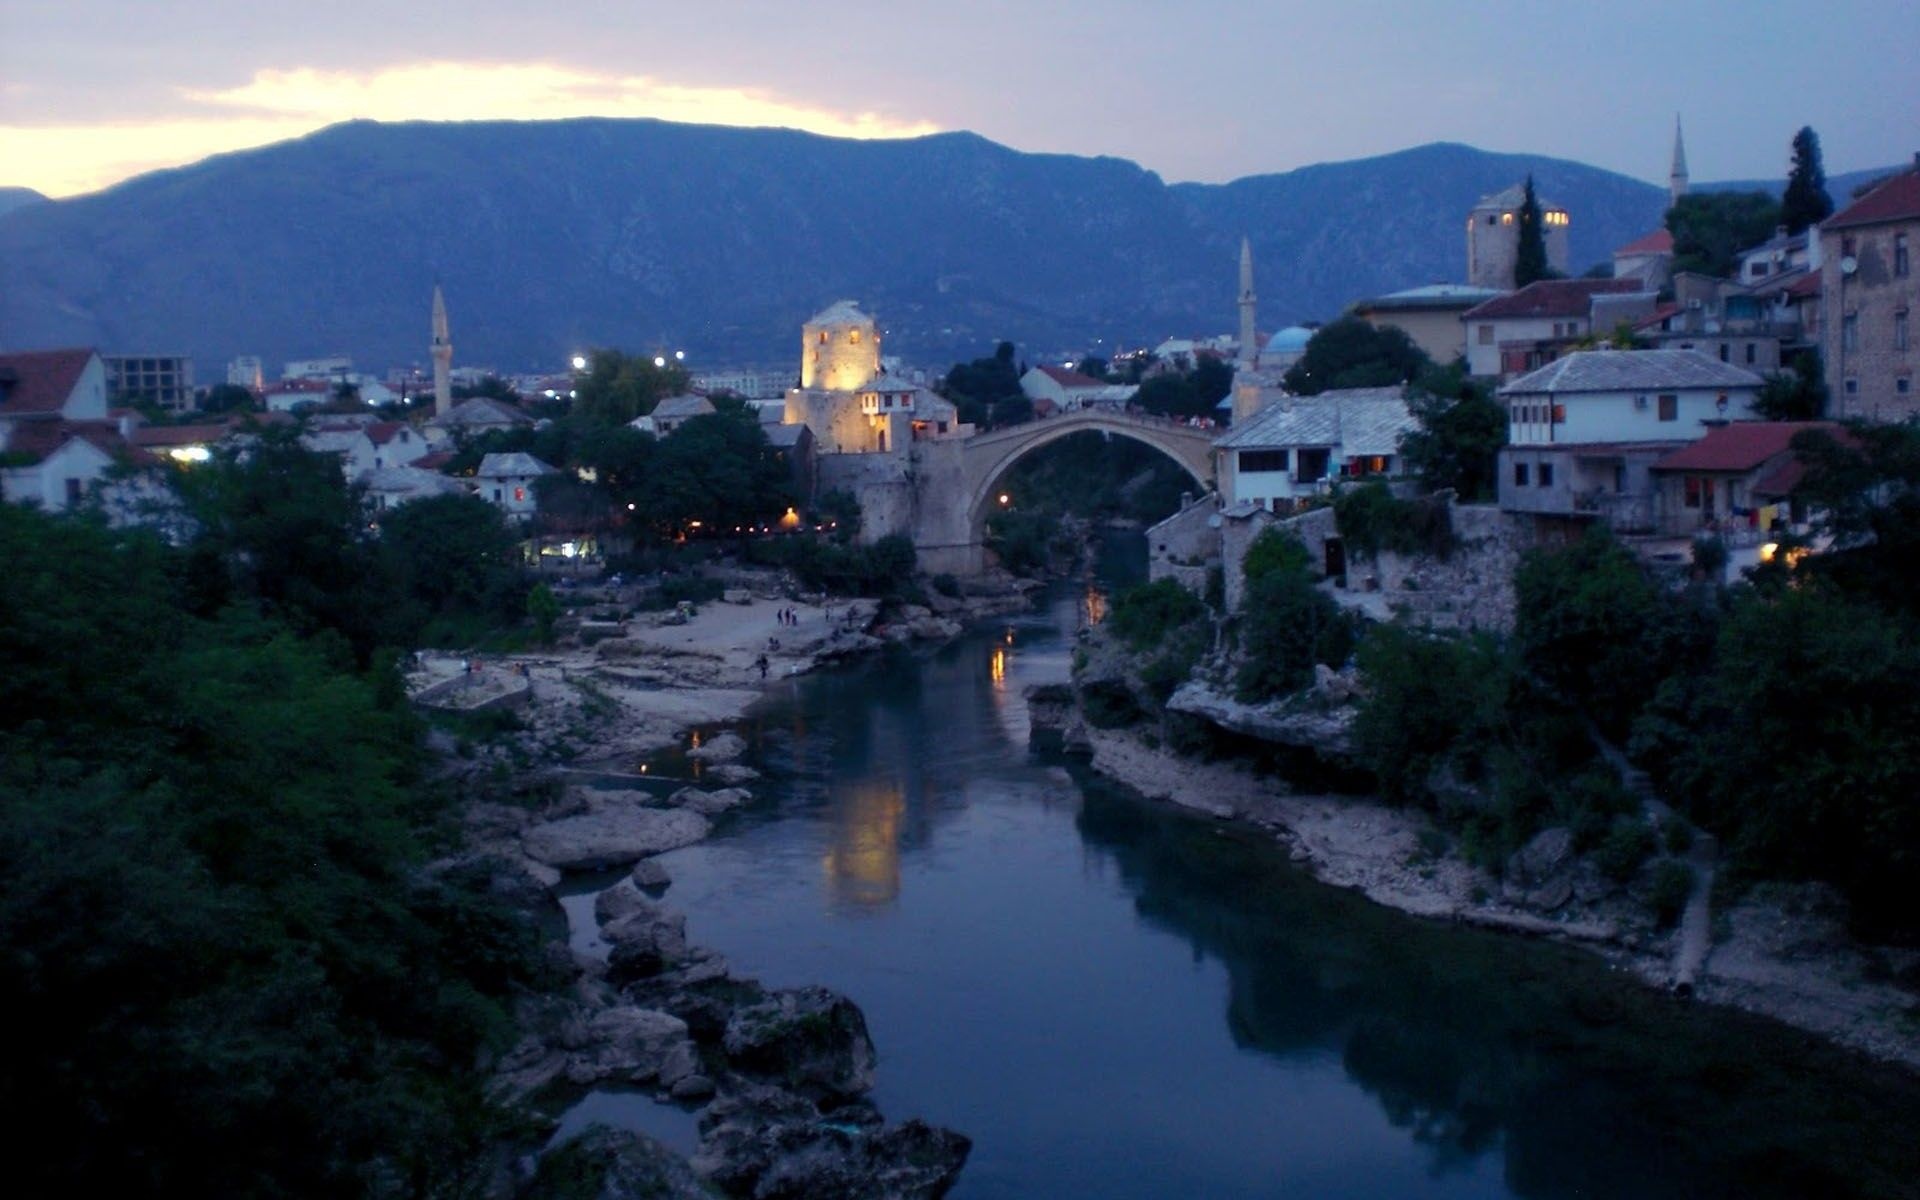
[(1530, 262), (1806, 201)]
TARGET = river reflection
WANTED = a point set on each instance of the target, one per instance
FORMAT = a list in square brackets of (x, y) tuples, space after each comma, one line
[(1116, 1000)]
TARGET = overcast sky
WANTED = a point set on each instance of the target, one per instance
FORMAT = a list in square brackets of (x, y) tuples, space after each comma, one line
[(92, 91)]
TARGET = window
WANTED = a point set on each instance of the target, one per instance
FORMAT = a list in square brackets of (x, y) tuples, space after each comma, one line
[(823, 337), (1900, 330), (1546, 474), (519, 495), (1486, 335), (1751, 350), (1903, 385), (1850, 331), (1264, 460), (1900, 267), (1519, 474), (74, 487), (1853, 386), (853, 337), (1693, 490), (1312, 465), (1726, 352), (1559, 414), (1846, 247), (1757, 269), (1669, 408)]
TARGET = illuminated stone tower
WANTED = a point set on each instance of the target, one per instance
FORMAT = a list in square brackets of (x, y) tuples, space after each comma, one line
[(442, 350), (1677, 178), (1493, 237), (1249, 339)]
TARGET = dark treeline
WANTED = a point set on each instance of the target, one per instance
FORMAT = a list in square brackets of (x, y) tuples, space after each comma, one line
[(231, 972)]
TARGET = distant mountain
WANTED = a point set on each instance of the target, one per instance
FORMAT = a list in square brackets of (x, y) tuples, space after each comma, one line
[(550, 237), (18, 197), (1841, 187)]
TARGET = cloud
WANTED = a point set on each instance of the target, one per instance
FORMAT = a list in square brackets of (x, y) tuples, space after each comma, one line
[(278, 104)]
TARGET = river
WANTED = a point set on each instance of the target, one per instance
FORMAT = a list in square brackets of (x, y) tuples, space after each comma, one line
[(1117, 1000)]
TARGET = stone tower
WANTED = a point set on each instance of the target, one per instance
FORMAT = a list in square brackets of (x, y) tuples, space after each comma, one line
[(1493, 237), (839, 350), (1249, 339), (442, 350), (1677, 178)]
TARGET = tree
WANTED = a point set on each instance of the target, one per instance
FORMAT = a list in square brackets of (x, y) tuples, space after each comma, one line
[(1287, 625), (1798, 393), (1351, 353), (1710, 229), (1530, 260), (543, 607), (1461, 431), (455, 558), (492, 387), (976, 387), (1805, 201), (615, 388), (227, 397), (1093, 367)]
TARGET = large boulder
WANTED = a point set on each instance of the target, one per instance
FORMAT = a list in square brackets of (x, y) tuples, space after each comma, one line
[(710, 804), (609, 1164), (721, 747), (613, 837), (645, 939), (808, 1039), (763, 1144)]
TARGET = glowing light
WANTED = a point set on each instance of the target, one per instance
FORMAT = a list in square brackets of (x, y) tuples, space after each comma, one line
[(680, 356), (998, 668), (190, 454), (659, 360), (693, 524), (790, 520), (1005, 499), (579, 364), (1768, 550)]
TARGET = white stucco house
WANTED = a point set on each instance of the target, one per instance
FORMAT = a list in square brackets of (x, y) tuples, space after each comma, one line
[(1298, 446), (1584, 431), (507, 480)]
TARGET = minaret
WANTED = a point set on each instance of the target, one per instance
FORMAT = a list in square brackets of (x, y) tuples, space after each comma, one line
[(442, 357), (1249, 340), (1677, 180)]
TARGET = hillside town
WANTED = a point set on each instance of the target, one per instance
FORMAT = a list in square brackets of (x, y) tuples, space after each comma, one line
[(1571, 607)]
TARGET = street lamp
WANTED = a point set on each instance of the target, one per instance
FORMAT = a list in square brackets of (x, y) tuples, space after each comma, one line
[(679, 356), (659, 360), (579, 362)]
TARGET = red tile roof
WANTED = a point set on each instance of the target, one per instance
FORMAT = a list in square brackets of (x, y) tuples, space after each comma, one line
[(1658, 242), (39, 439), (41, 380), (1806, 286), (179, 435), (1657, 316), (1552, 298), (381, 432), (434, 461), (1738, 446), (1069, 379), (1898, 199)]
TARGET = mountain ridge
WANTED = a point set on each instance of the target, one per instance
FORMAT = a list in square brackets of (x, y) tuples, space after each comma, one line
[(557, 235)]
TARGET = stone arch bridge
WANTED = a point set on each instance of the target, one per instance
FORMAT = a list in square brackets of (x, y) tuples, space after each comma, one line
[(955, 480)]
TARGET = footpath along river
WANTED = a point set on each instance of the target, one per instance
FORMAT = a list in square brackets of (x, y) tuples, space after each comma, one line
[(1117, 1000)]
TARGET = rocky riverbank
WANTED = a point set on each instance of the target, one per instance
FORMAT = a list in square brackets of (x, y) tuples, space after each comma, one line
[(541, 742), (1780, 951)]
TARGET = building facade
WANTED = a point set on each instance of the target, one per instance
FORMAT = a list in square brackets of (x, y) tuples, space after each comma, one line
[(1871, 293), (1493, 237), (162, 379)]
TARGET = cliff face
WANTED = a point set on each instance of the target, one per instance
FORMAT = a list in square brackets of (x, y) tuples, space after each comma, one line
[(549, 237)]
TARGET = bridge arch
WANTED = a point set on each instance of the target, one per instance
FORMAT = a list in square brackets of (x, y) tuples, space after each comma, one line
[(990, 456)]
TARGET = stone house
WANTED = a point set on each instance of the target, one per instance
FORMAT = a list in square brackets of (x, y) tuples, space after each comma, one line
[(671, 413), (1870, 292), (1737, 482)]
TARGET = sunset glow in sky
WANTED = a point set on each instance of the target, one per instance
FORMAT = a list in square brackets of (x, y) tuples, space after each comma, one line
[(92, 91)]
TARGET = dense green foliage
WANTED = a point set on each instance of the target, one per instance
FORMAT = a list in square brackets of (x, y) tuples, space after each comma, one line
[(615, 388), (1371, 519), (977, 388), (884, 568), (1287, 625), (1805, 201), (237, 977), (1711, 228), (1798, 393), (1145, 616), (1530, 258), (1461, 431), (1195, 393), (1352, 353)]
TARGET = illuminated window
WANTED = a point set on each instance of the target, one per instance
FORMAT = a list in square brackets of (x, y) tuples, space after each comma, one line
[(1506, 218), (519, 495), (823, 337), (853, 337)]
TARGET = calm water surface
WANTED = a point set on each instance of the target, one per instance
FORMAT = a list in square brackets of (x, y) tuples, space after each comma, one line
[(1115, 1000)]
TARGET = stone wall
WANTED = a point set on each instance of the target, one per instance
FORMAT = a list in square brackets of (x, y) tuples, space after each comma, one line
[(1186, 545)]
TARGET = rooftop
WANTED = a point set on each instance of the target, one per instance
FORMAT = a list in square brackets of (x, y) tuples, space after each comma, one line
[(685, 405), (841, 312), (512, 466), (1739, 445), (40, 381), (1516, 195), (1360, 420), (1631, 371), (1434, 295), (1659, 241), (1551, 298), (1067, 378), (1897, 199)]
